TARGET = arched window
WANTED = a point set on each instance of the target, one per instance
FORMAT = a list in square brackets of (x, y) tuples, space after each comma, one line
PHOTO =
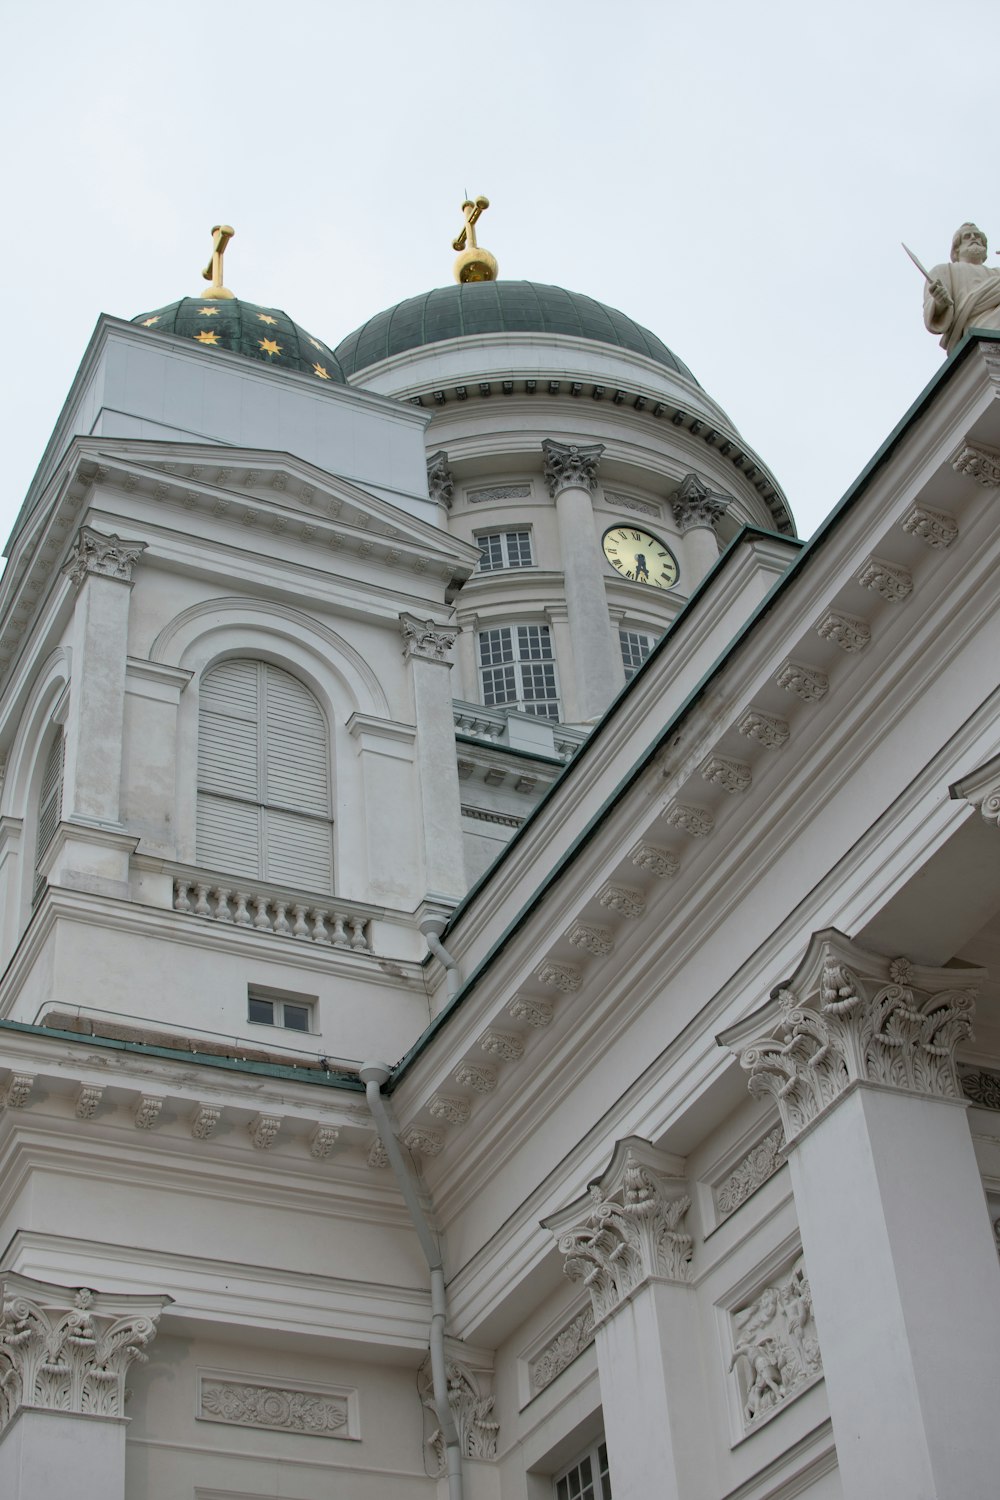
[(263, 777), (49, 809)]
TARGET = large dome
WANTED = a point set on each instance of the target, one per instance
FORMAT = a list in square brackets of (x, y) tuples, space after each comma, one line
[(264, 333), (464, 311)]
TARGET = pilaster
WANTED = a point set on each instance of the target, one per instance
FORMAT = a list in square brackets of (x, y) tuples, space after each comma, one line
[(427, 647)]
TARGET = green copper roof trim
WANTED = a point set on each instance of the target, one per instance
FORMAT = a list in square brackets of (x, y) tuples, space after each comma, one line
[(798, 565)]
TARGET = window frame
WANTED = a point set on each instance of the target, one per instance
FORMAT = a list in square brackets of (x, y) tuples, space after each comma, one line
[(263, 994), (599, 1485), (644, 635), (524, 668), (503, 539)]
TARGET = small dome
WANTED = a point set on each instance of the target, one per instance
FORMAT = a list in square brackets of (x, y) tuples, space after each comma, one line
[(463, 311), (264, 333)]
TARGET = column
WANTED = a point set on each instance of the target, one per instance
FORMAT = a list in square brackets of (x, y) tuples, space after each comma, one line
[(627, 1242), (858, 1052), (696, 511), (598, 673), (64, 1357), (427, 646), (440, 485)]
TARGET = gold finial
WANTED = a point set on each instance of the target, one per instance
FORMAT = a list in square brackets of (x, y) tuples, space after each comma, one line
[(221, 235), (473, 264)]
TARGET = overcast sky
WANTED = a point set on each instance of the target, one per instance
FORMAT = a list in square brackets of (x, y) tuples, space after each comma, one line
[(736, 177)]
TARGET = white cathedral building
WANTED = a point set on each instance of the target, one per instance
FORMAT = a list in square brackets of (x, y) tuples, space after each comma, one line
[(500, 941)]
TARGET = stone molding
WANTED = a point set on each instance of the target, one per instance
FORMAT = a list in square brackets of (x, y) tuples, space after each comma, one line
[(732, 775), (596, 940), (560, 976), (981, 464), (628, 1228), (440, 481), (446, 1107), (766, 729), (69, 1349), (622, 899), (537, 1013), (503, 1045), (94, 552), (935, 527), (807, 683), (499, 492), (568, 466), (480, 1080), (776, 1349), (751, 1172), (275, 1407), (848, 1016), (886, 578), (659, 862), (693, 504), (472, 1409), (427, 639), (845, 631), (560, 1351), (694, 821)]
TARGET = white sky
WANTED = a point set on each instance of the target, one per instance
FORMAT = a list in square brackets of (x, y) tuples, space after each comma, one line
[(735, 176)]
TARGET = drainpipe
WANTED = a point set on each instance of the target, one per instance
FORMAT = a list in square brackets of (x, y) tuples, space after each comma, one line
[(373, 1076), (432, 928)]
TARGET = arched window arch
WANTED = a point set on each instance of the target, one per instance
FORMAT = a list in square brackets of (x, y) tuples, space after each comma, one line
[(264, 803), (49, 810)]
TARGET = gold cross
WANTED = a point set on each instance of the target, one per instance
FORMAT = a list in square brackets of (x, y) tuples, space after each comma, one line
[(221, 235), (471, 211), (473, 263)]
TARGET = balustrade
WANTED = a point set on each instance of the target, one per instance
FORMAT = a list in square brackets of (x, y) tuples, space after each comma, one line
[(263, 911)]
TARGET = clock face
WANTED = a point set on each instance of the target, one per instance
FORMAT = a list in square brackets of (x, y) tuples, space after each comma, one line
[(640, 557)]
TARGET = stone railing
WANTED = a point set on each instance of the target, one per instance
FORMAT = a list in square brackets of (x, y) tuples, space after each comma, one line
[(285, 914), (539, 736)]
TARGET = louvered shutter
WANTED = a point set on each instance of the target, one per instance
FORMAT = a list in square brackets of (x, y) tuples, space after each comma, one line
[(298, 848), (49, 808), (229, 769)]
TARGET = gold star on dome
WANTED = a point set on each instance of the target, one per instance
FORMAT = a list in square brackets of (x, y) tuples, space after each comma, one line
[(264, 318), (323, 374), (269, 346), (209, 312), (148, 322), (207, 336), (315, 343)]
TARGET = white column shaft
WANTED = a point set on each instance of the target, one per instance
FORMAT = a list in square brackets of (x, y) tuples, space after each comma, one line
[(45, 1455), (701, 553), (444, 857), (95, 732), (597, 665)]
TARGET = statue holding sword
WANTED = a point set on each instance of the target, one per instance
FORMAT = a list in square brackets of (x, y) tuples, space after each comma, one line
[(963, 294)]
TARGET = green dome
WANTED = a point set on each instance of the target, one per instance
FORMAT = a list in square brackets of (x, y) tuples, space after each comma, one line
[(264, 333), (477, 307)]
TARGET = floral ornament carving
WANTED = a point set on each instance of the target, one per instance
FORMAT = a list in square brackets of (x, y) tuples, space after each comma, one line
[(596, 940), (849, 1016), (561, 1351), (535, 1013), (276, 1408), (323, 1141), (568, 466), (981, 1086), (807, 683), (560, 977), (88, 1099), (69, 1350), (378, 1156), (472, 1409), (659, 862), (775, 1346), (751, 1172), (990, 805), (263, 1129), (694, 504), (106, 556), (427, 639), (480, 1080), (624, 1232), (18, 1091), (147, 1111), (845, 631), (204, 1121), (935, 527), (732, 775), (452, 1111), (626, 902), (440, 481), (697, 822), (766, 729), (886, 578), (981, 464), (425, 1142), (502, 1044)]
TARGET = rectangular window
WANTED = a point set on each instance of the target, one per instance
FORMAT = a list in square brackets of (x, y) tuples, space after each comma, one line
[(504, 549), (636, 646), (588, 1478), (267, 1007), (516, 667)]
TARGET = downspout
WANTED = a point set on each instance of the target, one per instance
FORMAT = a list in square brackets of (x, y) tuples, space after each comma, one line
[(432, 928), (373, 1076)]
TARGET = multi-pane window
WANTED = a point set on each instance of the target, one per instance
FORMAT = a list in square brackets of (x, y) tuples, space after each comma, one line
[(516, 666), (636, 646), (49, 809), (504, 549), (269, 1008), (588, 1478)]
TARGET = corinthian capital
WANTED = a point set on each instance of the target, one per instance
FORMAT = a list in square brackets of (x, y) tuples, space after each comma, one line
[(569, 467), (427, 638), (440, 482), (628, 1228), (848, 1016), (68, 1350), (107, 556), (693, 504)]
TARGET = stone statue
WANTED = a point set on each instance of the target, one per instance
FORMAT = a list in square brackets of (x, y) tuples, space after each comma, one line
[(964, 294)]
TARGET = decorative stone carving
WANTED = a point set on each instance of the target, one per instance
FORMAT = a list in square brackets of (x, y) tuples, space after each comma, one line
[(559, 976), (568, 466), (561, 1351), (659, 862), (980, 1086), (88, 1099), (766, 729), (886, 578), (535, 1013), (425, 1142), (323, 1141), (452, 1111), (981, 788), (147, 1111), (732, 775), (850, 1016), (18, 1091), (629, 1227), (621, 899), (846, 631), (263, 1129), (629, 502), (596, 940), (981, 464), (204, 1121), (480, 1080), (695, 821), (427, 639), (107, 556), (274, 1407), (694, 504), (502, 1044), (378, 1156), (775, 1345), (750, 1172), (500, 492), (440, 482), (68, 1350), (935, 527), (472, 1409), (807, 683)]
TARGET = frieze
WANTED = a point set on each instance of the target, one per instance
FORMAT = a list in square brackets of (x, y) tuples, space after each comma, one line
[(560, 1352), (751, 1172), (776, 1349), (627, 502), (275, 1408), (499, 492)]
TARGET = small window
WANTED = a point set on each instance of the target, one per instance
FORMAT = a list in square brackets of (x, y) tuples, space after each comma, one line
[(267, 1007), (636, 646), (588, 1478), (517, 667), (504, 549)]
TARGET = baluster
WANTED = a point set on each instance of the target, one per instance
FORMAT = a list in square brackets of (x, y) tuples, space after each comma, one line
[(181, 902), (339, 935), (241, 916), (280, 920), (221, 904), (261, 921), (300, 930), (320, 934), (201, 906), (358, 939)]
